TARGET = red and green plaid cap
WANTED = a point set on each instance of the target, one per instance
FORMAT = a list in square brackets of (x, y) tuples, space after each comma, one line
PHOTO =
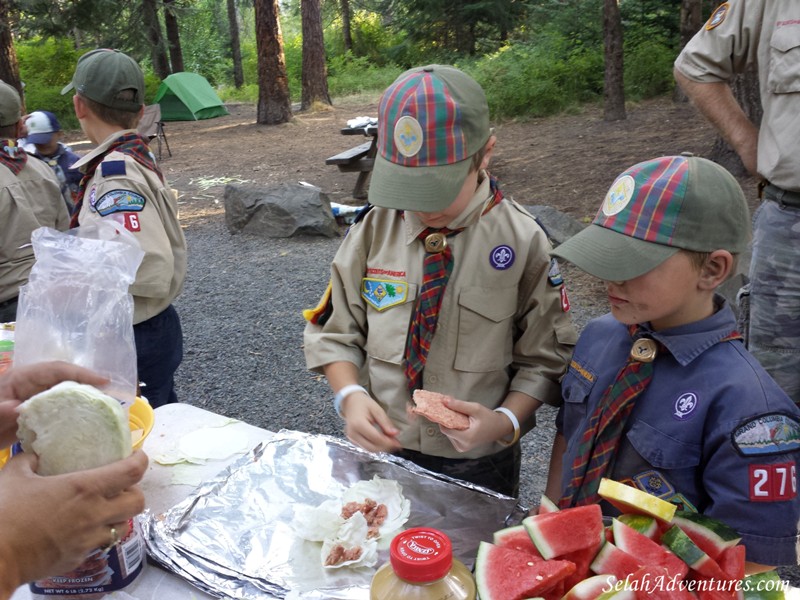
[(431, 121), (655, 208)]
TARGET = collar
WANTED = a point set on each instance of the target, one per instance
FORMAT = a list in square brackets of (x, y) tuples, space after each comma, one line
[(689, 341), (469, 216), (87, 158)]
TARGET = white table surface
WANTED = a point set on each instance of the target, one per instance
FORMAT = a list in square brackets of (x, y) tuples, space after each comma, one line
[(172, 422)]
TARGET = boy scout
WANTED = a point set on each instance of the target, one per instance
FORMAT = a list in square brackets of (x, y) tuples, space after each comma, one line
[(445, 285)]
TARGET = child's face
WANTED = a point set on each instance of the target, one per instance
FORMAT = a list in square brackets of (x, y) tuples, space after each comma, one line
[(444, 217), (668, 296)]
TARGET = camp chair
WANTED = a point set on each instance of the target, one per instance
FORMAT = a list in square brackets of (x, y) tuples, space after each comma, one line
[(151, 126)]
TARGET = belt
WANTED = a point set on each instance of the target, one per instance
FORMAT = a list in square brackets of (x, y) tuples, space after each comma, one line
[(781, 196), (9, 302)]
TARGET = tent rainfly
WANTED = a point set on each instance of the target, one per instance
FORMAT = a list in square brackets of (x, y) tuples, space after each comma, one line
[(188, 97)]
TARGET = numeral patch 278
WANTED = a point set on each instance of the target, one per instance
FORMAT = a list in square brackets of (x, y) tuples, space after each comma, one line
[(773, 483)]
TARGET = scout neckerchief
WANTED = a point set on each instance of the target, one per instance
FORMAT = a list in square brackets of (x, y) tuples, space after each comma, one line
[(598, 446), (436, 270), (131, 144), (12, 156)]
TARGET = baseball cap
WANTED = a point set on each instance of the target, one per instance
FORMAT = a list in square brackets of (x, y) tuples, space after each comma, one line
[(41, 125), (10, 105), (431, 121), (655, 208), (103, 73)]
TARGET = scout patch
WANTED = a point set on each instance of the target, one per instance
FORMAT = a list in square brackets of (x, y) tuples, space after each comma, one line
[(682, 502), (718, 16), (618, 196), (502, 257), (93, 196), (320, 314), (773, 483), (654, 483), (554, 274), (766, 435), (564, 299), (383, 293), (112, 167), (119, 201), (684, 406), (580, 372)]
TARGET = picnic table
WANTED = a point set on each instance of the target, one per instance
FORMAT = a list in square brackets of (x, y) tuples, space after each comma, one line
[(361, 158)]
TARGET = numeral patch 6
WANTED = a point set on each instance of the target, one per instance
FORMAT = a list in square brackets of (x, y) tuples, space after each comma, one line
[(773, 483)]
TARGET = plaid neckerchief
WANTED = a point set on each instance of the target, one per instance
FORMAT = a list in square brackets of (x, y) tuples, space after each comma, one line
[(131, 144), (598, 445), (436, 270), (12, 156)]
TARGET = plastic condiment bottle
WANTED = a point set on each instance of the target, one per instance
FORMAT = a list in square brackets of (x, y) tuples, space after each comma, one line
[(421, 567)]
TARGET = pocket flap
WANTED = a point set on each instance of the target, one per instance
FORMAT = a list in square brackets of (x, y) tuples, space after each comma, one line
[(785, 38), (661, 450), (488, 303)]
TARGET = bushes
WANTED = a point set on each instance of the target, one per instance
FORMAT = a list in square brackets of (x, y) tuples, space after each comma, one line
[(46, 67)]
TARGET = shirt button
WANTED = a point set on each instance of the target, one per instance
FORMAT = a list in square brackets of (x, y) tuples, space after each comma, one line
[(431, 431), (432, 379)]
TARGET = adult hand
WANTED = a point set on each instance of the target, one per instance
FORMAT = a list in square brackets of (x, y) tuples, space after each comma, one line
[(20, 383), (485, 425), (50, 524), (367, 424)]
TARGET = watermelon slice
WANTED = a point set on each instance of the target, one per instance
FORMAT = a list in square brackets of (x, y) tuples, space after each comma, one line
[(503, 573), (645, 525), (647, 551), (732, 560), (630, 500), (582, 559), (613, 561), (654, 583), (558, 533), (516, 538), (764, 586), (710, 535), (547, 506), (591, 587), (682, 545)]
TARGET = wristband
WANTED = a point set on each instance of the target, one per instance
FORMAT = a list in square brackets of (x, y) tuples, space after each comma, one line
[(344, 393), (514, 421)]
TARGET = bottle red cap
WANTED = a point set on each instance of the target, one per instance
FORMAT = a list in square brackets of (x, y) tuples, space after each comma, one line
[(421, 554)]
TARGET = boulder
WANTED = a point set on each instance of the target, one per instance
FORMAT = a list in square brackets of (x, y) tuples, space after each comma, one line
[(279, 211), (558, 225)]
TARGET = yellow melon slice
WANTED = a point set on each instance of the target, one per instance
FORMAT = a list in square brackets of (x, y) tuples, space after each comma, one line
[(630, 500)]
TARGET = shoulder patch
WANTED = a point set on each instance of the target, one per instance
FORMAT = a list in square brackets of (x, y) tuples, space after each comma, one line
[(119, 201), (383, 293), (112, 167), (769, 434), (718, 16)]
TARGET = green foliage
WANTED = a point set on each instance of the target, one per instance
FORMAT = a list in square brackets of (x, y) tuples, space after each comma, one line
[(349, 75), (46, 66), (648, 70)]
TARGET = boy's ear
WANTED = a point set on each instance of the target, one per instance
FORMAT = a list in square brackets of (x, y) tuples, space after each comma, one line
[(717, 269), (487, 155), (80, 107)]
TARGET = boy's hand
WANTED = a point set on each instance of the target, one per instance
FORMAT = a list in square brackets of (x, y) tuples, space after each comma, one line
[(367, 424), (485, 426)]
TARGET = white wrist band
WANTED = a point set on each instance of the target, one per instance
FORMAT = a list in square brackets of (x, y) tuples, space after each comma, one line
[(514, 421), (344, 393)]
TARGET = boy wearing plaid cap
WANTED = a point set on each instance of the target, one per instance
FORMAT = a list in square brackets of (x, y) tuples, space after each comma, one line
[(121, 181), (661, 393), (445, 285)]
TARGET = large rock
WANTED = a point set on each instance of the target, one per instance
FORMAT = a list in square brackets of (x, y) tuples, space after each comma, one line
[(279, 211), (559, 226)]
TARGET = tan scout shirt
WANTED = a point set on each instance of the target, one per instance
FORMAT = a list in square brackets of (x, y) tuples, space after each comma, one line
[(765, 33), (498, 329), (155, 224), (28, 201)]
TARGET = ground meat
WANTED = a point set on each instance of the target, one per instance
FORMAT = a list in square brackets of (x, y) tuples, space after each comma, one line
[(374, 513), (340, 554)]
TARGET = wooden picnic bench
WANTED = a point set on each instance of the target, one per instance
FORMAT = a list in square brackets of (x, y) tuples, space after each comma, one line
[(358, 159)]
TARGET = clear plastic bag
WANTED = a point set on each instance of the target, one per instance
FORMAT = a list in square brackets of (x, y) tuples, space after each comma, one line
[(76, 305)]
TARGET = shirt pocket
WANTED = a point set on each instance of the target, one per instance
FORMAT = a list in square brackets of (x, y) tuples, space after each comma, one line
[(784, 60), (485, 335), (387, 329), (663, 451), (575, 389)]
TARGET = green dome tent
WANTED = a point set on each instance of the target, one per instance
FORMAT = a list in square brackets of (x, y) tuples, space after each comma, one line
[(188, 97)]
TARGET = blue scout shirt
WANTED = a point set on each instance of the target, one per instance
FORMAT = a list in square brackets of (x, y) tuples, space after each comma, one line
[(712, 432)]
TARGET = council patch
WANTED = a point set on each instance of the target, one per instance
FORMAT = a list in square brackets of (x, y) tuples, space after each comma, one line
[(773, 433), (119, 201), (382, 294)]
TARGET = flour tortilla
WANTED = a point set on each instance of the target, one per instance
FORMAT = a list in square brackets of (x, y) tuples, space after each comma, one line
[(72, 427), (431, 406)]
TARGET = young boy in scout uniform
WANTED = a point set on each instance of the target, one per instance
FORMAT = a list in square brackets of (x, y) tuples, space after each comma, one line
[(661, 393), (445, 286), (122, 182)]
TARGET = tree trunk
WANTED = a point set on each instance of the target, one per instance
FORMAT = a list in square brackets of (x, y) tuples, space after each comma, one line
[(236, 50), (613, 88), (274, 101), (9, 68), (747, 92), (691, 21), (173, 36), (314, 76), (346, 33), (152, 27)]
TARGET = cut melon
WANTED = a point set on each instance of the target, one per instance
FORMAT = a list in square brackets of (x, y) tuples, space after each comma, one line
[(591, 588), (558, 533), (630, 500), (547, 506), (506, 574), (582, 559), (732, 560), (682, 545), (613, 561), (645, 525), (710, 535), (516, 538), (764, 586), (647, 551), (654, 583)]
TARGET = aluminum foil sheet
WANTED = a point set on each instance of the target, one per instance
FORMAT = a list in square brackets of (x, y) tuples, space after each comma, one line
[(232, 537)]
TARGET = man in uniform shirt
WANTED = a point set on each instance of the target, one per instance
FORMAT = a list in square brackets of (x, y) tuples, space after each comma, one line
[(765, 34), (29, 198)]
